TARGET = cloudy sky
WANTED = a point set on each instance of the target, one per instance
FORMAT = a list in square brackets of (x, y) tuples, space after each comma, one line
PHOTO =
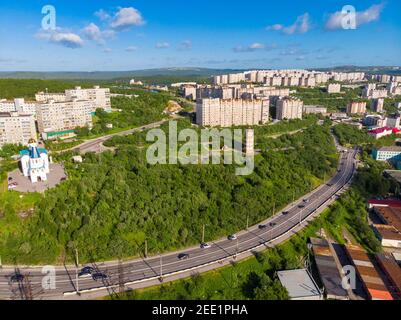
[(105, 35)]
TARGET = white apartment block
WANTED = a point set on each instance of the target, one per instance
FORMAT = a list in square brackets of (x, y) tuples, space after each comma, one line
[(289, 108), (334, 88), (100, 96), (378, 105), (304, 78), (249, 148), (314, 110), (56, 117), (16, 128), (231, 112), (356, 108), (18, 105)]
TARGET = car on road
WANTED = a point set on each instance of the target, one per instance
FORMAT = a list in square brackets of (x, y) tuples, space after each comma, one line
[(183, 256), (273, 224), (262, 226), (232, 237), (301, 206), (285, 213), (205, 246), (16, 277), (86, 272), (99, 276), (330, 184), (306, 200)]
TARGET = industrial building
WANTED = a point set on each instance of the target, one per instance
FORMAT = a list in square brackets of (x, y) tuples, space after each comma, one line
[(372, 281), (300, 285), (389, 266), (328, 270)]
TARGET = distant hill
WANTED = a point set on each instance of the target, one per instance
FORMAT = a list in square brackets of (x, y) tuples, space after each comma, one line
[(109, 75), (367, 69)]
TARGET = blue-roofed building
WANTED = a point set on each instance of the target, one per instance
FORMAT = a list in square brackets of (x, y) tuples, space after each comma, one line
[(35, 162)]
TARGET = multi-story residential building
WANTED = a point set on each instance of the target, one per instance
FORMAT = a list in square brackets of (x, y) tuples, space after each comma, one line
[(393, 121), (387, 154), (100, 97), (18, 105), (314, 110), (378, 105), (59, 119), (231, 112), (45, 96), (16, 128), (334, 88), (356, 108), (289, 108), (249, 148)]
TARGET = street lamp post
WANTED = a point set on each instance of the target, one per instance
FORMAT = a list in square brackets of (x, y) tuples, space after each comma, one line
[(76, 270)]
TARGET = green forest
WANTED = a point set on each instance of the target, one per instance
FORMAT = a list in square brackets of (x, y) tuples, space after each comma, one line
[(114, 201)]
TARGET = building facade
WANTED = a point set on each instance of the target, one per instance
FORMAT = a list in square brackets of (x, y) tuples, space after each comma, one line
[(63, 117), (35, 163), (16, 128), (289, 108), (231, 112)]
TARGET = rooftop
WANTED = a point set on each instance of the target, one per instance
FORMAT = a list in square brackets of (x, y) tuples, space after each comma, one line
[(388, 232), (299, 284)]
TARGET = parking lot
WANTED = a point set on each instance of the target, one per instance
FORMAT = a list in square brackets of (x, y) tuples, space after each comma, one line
[(24, 184)]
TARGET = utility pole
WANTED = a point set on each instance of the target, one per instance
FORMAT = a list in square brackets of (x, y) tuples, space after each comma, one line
[(76, 270), (161, 268), (247, 221), (146, 248), (203, 233)]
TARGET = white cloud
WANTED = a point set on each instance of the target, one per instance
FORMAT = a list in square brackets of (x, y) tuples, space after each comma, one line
[(102, 15), (363, 17), (186, 45), (254, 47), (126, 18), (131, 49), (162, 45), (64, 38), (93, 32), (301, 25)]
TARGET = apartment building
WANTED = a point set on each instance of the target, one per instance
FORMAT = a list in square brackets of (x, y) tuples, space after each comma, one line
[(334, 88), (18, 105), (356, 108), (100, 97), (231, 112), (59, 119), (289, 108), (16, 128), (314, 110), (378, 105)]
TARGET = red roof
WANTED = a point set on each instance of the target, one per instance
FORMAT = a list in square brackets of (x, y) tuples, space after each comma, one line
[(380, 130), (385, 203)]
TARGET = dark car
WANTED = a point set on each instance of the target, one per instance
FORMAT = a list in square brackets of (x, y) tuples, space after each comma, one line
[(262, 226), (285, 213), (183, 256), (86, 272), (99, 276), (17, 277), (273, 224), (301, 206)]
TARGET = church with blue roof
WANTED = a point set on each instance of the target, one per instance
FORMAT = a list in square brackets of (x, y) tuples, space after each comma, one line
[(35, 162)]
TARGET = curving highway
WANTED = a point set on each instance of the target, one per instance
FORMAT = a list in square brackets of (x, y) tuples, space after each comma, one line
[(147, 272)]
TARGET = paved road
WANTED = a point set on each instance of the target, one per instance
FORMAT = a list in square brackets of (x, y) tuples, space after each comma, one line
[(96, 145), (145, 271)]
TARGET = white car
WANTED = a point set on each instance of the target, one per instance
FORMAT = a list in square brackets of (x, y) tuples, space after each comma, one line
[(205, 246), (232, 237)]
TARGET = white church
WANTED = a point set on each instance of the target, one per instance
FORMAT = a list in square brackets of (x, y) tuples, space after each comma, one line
[(35, 163)]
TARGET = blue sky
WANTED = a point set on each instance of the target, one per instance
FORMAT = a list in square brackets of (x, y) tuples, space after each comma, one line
[(100, 35)]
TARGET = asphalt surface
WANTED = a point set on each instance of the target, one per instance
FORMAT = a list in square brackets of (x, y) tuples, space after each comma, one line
[(147, 270)]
